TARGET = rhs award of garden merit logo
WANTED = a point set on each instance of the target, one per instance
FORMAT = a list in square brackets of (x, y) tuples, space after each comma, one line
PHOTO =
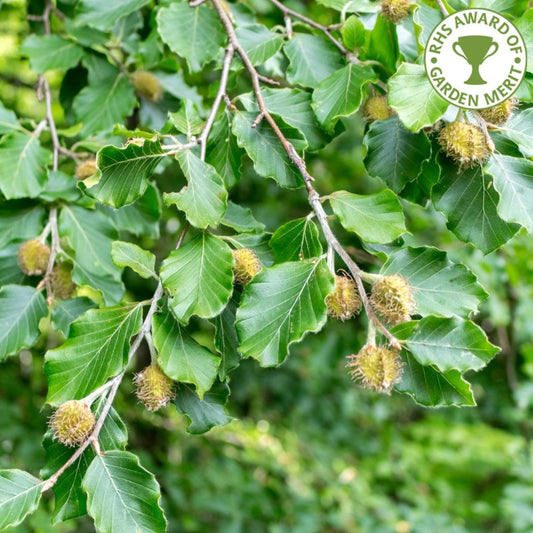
[(475, 58)]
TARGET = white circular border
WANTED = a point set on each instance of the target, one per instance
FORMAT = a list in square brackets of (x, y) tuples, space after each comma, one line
[(455, 68)]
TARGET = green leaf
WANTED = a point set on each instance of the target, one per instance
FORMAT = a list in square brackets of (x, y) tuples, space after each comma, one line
[(353, 33), (187, 119), (431, 388), (425, 19), (20, 493), (102, 14), (524, 24), (312, 59), (376, 218), (205, 198), (295, 108), (19, 223), (359, 6), (205, 413), (519, 128), (22, 173), (103, 103), (296, 240), (279, 306), (10, 272), (513, 179), (90, 234), (258, 42), (70, 498), (142, 217), (340, 94), (226, 340), (97, 349), (470, 204), (414, 99), (265, 150), (181, 357), (193, 33), (60, 186), (21, 309), (223, 153), (440, 287), (127, 254), (124, 172), (122, 496), (241, 219), (66, 311), (382, 44), (47, 52), (510, 7), (395, 154), (8, 120), (198, 277), (447, 343)]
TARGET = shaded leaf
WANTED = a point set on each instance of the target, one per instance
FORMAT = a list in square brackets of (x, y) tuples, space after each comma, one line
[(205, 413), (102, 14), (19, 223), (181, 357), (241, 219), (66, 311), (21, 309), (127, 254), (259, 42), (47, 52)]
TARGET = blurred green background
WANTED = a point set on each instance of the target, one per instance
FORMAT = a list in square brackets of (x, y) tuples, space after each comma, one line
[(310, 451)]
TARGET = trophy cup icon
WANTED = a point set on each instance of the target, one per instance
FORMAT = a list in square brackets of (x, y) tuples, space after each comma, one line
[(475, 49)]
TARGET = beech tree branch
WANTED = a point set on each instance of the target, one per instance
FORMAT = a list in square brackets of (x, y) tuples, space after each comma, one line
[(299, 162), (442, 8)]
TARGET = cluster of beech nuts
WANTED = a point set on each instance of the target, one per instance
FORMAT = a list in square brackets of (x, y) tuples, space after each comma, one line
[(377, 367), (395, 10)]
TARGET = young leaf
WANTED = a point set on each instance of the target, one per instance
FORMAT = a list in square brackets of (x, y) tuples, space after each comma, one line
[(90, 234), (21, 309), (8, 120), (382, 44), (22, 173), (241, 219), (127, 254), (340, 94), (259, 42), (513, 179), (102, 14), (519, 129), (312, 59), (20, 224), (296, 240), (205, 198), (279, 306), (20, 493), (395, 155), (193, 33), (104, 102), (205, 413), (431, 388), (97, 349), (470, 204), (263, 147), (376, 218), (524, 24), (447, 343), (440, 287), (124, 172), (181, 357), (199, 278), (353, 33), (414, 99), (122, 496), (47, 52), (295, 108)]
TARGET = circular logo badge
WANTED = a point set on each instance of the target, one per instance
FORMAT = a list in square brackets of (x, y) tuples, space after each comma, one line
[(475, 58)]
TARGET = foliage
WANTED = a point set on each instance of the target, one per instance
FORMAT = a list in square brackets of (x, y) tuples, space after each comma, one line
[(231, 93)]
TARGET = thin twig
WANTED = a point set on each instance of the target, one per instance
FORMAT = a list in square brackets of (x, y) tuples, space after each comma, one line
[(442, 8), (312, 23), (299, 162), (202, 139)]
